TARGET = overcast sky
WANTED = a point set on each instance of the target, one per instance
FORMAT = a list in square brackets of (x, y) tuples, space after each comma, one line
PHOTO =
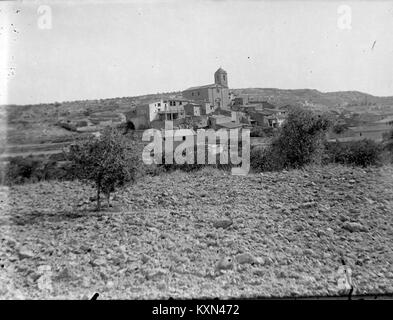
[(126, 48)]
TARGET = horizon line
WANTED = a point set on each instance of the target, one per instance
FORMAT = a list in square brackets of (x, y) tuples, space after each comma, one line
[(179, 91)]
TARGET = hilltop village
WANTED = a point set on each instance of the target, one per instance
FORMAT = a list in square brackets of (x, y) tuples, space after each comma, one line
[(216, 106), (47, 129), (205, 106)]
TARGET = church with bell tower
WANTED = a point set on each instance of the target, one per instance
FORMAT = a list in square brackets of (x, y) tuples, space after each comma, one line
[(220, 77), (216, 94)]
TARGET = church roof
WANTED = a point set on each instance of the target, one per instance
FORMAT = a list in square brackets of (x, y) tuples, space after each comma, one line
[(214, 85), (220, 70)]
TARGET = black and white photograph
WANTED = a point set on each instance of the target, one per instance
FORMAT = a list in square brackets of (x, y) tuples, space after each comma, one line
[(201, 149)]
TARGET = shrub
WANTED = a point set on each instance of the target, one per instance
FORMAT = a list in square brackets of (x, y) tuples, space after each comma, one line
[(32, 169), (269, 131), (257, 132), (388, 141), (301, 139), (363, 153), (299, 142), (190, 167), (265, 159), (104, 161), (21, 170), (143, 127), (340, 128)]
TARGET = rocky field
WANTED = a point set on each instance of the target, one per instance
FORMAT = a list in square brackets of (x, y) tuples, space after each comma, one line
[(203, 234)]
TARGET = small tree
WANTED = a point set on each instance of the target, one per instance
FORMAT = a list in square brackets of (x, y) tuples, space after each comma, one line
[(103, 161), (299, 142)]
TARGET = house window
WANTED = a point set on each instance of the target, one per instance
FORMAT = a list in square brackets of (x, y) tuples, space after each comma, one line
[(192, 93), (180, 103), (198, 93), (159, 104), (218, 90)]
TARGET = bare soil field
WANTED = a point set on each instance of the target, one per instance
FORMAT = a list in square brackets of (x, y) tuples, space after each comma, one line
[(202, 234)]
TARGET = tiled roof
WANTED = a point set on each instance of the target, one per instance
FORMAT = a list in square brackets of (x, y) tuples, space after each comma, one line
[(265, 112), (221, 70), (230, 125), (214, 85), (152, 100), (219, 116)]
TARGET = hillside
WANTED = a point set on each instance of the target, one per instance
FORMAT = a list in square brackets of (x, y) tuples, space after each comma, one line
[(202, 234), (339, 99), (29, 124), (38, 123), (355, 100)]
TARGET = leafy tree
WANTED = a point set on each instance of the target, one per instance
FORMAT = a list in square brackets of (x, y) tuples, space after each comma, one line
[(104, 161), (301, 138), (300, 141)]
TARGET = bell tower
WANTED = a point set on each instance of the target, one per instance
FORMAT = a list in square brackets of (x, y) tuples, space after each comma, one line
[(220, 77)]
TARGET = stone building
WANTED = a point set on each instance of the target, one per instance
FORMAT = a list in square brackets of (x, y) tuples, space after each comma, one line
[(156, 110), (217, 94)]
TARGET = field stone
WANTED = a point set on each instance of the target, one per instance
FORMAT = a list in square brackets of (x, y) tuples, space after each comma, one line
[(306, 205), (65, 275), (144, 258), (245, 258), (110, 284), (224, 223), (33, 276), (98, 262), (354, 227), (44, 269), (10, 242), (155, 273), (44, 283), (225, 263), (259, 272), (308, 252), (25, 253)]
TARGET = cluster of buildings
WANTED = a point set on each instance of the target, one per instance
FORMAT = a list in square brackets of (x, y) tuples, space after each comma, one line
[(215, 106), (207, 106)]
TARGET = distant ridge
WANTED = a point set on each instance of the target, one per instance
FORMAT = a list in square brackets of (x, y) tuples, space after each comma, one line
[(317, 99), (311, 98)]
